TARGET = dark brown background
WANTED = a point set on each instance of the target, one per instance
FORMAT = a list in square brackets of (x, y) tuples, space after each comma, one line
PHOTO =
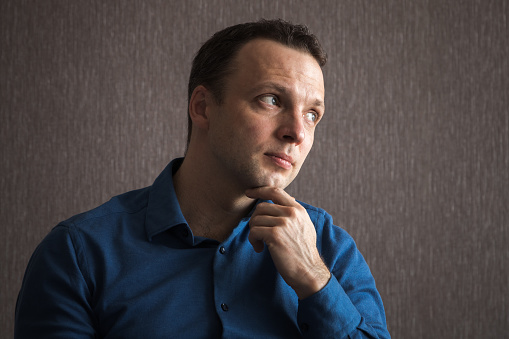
[(412, 158)]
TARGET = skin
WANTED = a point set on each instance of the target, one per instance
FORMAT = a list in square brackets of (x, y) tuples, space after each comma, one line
[(252, 146)]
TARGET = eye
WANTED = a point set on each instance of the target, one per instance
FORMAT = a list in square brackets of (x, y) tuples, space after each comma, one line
[(311, 116), (269, 99)]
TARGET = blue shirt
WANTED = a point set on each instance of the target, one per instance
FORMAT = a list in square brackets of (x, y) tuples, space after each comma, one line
[(131, 268)]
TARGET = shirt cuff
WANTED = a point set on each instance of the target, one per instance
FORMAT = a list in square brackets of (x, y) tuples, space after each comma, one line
[(329, 313)]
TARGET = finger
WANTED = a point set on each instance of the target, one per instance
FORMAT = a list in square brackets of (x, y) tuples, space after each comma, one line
[(276, 194), (265, 221), (255, 237), (265, 208)]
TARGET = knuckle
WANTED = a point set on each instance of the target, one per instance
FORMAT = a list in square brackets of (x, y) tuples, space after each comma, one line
[(293, 212), (263, 205), (277, 189)]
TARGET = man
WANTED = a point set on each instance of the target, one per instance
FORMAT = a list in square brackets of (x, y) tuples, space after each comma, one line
[(215, 247)]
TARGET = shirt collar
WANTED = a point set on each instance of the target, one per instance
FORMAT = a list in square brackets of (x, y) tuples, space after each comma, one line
[(163, 210)]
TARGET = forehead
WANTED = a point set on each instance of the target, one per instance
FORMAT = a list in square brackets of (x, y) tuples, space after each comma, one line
[(262, 59)]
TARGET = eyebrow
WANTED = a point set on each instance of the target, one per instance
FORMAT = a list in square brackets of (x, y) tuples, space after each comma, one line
[(319, 102)]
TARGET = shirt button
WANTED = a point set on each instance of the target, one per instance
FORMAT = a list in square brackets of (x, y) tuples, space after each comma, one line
[(222, 250), (224, 307)]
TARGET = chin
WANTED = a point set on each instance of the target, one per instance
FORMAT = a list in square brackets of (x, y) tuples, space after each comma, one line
[(258, 176), (274, 181)]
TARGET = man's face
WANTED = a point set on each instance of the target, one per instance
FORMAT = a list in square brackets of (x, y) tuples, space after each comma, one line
[(264, 128)]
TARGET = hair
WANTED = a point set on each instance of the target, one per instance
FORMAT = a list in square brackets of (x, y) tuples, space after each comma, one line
[(211, 65)]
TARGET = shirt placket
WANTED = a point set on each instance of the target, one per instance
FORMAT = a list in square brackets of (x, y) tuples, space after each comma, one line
[(226, 279)]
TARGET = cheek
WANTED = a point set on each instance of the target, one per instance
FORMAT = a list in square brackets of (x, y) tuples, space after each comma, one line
[(254, 133), (308, 142), (254, 130), (305, 147)]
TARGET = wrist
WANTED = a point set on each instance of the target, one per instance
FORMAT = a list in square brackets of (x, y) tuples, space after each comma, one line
[(312, 282)]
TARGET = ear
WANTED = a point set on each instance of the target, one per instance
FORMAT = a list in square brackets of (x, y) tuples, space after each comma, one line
[(199, 106)]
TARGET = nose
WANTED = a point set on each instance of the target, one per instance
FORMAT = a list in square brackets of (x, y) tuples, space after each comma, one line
[(292, 128)]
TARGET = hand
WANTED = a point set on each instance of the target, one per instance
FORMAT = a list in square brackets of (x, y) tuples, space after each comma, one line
[(290, 236)]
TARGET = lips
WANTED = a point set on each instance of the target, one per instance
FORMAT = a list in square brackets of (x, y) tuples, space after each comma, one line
[(281, 160)]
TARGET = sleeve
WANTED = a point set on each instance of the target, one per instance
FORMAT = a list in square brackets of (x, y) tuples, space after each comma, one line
[(349, 306), (54, 300)]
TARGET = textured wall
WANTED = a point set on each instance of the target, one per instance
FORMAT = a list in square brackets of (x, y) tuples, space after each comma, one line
[(412, 157)]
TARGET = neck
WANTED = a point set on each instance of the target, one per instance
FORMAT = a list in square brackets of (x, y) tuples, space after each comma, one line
[(211, 204)]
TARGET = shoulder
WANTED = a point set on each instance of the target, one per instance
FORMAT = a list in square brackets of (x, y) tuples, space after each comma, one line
[(329, 235), (321, 219), (118, 207), (92, 235), (314, 212)]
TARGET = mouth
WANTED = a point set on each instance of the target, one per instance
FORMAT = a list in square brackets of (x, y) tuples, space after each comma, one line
[(282, 160)]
